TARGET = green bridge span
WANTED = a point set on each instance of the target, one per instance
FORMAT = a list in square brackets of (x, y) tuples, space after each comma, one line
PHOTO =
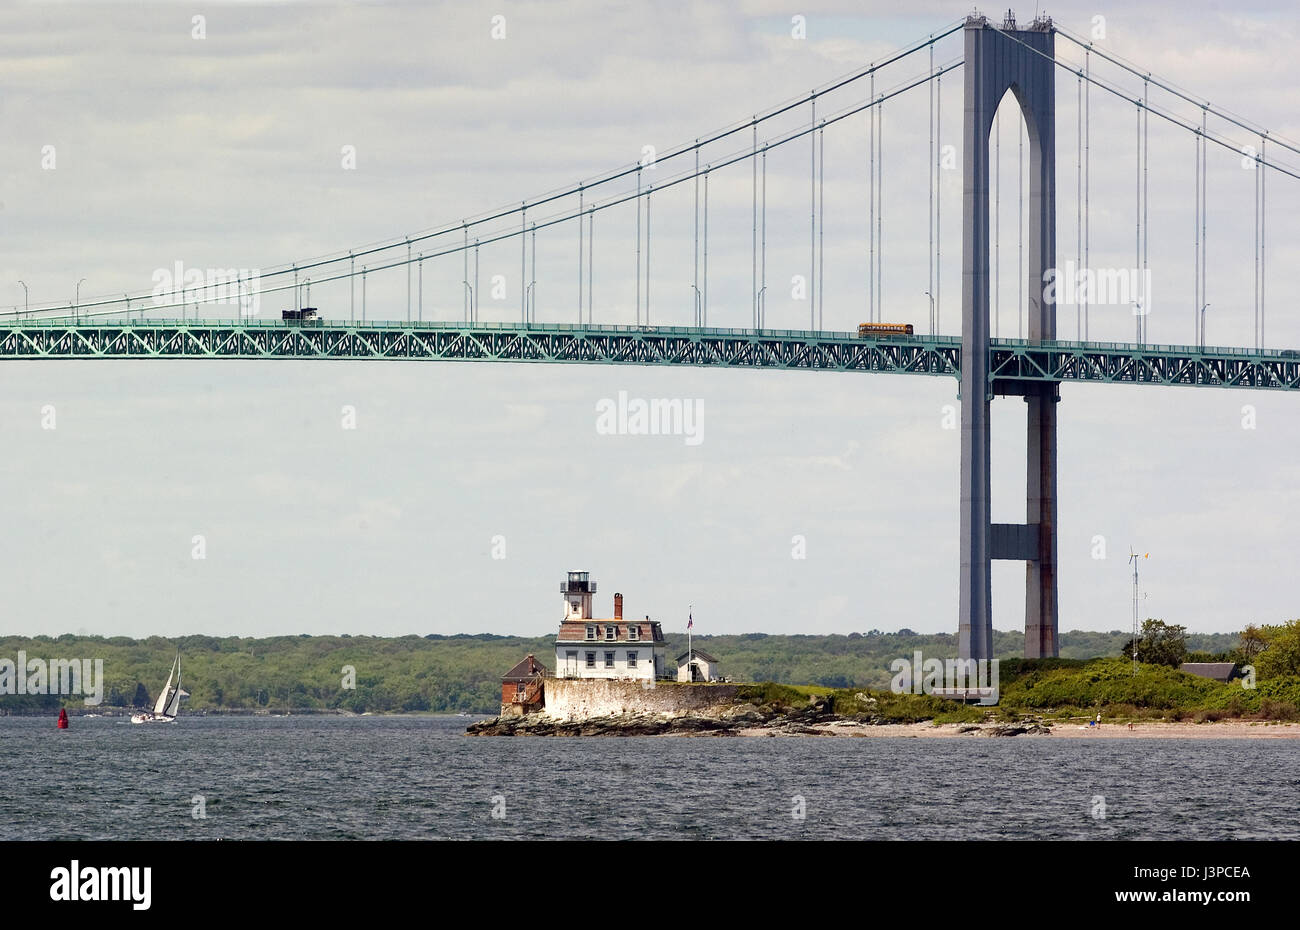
[(1011, 361)]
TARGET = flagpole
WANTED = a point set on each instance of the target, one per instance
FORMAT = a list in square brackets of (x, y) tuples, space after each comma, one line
[(690, 657)]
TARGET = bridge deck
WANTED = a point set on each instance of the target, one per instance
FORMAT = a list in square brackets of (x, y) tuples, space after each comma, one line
[(1010, 360)]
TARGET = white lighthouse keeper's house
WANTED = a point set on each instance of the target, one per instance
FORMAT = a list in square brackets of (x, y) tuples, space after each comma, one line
[(589, 647)]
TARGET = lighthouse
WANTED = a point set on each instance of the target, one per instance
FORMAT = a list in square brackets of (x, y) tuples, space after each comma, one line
[(588, 647), (577, 593)]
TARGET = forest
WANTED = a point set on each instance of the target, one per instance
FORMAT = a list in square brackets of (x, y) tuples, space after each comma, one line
[(462, 673)]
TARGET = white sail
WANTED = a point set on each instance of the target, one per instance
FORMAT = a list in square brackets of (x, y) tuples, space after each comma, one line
[(174, 704), (168, 692)]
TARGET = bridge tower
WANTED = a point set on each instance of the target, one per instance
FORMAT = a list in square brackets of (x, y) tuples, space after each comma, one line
[(1022, 61)]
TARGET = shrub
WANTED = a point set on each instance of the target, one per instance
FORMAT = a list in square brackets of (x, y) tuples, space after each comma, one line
[(769, 692), (1270, 709)]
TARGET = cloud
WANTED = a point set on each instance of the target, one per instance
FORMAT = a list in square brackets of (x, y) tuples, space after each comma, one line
[(226, 152)]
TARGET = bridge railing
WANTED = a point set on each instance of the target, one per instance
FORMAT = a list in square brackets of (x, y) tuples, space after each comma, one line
[(1142, 348)]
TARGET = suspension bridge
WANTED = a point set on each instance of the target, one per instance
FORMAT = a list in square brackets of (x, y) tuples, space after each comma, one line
[(998, 61)]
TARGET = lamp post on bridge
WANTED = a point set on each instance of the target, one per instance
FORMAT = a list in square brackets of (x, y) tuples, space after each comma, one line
[(1203, 326), (931, 296), (471, 299), (25, 310), (76, 306)]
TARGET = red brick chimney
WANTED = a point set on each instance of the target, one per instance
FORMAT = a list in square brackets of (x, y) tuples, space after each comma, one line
[(618, 607)]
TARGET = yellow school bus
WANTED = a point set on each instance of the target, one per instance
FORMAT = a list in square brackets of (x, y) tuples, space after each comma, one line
[(885, 329)]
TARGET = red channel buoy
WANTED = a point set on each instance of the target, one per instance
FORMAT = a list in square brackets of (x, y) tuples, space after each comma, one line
[(63, 719)]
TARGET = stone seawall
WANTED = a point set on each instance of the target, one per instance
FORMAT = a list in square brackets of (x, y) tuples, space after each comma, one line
[(587, 698)]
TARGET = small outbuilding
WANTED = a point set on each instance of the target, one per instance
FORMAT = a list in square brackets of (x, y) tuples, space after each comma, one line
[(697, 665), (522, 688), (1219, 671)]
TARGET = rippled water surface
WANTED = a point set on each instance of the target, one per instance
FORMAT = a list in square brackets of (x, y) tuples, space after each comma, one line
[(421, 777)]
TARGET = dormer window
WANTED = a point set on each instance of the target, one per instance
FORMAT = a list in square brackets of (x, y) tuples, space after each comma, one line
[(611, 633), (634, 632), (591, 632)]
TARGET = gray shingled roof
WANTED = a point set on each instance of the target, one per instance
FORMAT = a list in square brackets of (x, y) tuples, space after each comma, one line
[(1220, 670), (698, 652), (528, 668)]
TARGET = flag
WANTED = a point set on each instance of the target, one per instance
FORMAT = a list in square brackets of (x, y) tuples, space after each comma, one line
[(690, 621)]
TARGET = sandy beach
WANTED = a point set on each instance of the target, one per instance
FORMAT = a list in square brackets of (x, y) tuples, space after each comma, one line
[(1077, 729)]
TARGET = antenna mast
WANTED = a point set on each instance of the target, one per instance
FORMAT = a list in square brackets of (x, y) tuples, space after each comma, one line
[(1133, 557)]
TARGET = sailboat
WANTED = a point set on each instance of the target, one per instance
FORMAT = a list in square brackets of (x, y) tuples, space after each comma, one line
[(169, 700)]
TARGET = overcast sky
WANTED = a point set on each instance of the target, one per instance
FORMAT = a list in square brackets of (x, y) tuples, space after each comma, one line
[(228, 151)]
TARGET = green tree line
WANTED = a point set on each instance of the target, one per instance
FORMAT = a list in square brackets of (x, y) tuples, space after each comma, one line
[(462, 673)]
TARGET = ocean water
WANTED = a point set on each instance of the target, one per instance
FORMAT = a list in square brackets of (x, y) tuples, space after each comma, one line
[(311, 777)]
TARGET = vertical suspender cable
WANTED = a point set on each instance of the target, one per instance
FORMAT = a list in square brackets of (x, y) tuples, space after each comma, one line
[(1078, 215), (523, 263), (1196, 243), (753, 234), (938, 202), (1139, 303), (638, 245), (997, 219), (1020, 234), (591, 260), (1205, 209), (704, 299), (1255, 334), (871, 202), (1264, 238), (473, 309), (532, 313), (465, 276), (812, 217), (880, 216), (352, 287), (1146, 228), (696, 252), (762, 291), (649, 192), (1087, 177), (930, 218), (821, 230), (421, 275), (408, 280), (580, 193)]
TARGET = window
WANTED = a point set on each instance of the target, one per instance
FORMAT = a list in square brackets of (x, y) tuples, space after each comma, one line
[(634, 632), (611, 633), (591, 632), (609, 660), (591, 660), (519, 687), (631, 660)]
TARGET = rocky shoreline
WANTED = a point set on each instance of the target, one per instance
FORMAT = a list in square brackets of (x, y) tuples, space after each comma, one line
[(815, 719)]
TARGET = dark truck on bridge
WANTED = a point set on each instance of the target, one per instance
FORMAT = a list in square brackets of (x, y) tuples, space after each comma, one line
[(307, 316)]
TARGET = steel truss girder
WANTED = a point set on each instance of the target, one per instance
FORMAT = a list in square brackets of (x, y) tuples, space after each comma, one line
[(491, 342), (1009, 360), (1133, 364)]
